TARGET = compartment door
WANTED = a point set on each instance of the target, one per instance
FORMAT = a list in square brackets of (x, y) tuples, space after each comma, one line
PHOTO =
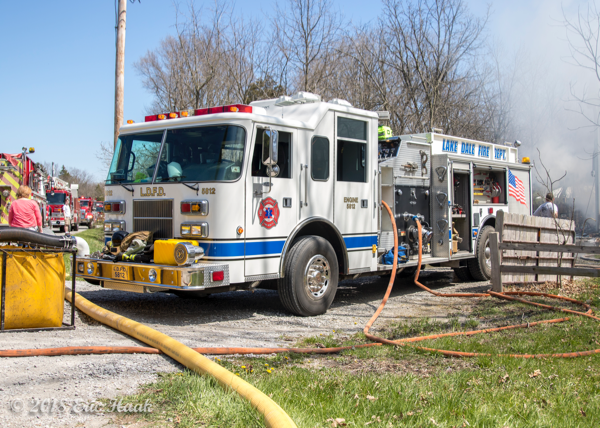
[(355, 188)]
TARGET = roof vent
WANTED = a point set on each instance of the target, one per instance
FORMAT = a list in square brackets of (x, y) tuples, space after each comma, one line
[(340, 102), (306, 97), (299, 98), (284, 100)]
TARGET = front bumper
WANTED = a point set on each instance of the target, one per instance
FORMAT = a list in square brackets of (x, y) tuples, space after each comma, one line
[(136, 276), (55, 222)]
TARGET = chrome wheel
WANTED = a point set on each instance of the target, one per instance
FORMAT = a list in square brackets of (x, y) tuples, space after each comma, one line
[(488, 254), (317, 275)]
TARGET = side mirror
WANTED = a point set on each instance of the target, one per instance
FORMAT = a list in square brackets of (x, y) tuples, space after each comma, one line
[(273, 171), (270, 144)]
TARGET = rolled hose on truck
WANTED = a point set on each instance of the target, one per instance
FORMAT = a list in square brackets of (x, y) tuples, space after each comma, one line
[(274, 415)]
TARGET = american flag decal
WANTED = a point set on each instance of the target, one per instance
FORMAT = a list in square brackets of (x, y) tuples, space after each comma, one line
[(516, 188)]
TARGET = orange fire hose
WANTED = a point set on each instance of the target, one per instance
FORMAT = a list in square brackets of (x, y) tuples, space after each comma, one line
[(75, 350), (505, 295)]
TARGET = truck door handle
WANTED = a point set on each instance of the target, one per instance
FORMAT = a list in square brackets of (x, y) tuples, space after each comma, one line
[(441, 224), (441, 200), (305, 168), (441, 172)]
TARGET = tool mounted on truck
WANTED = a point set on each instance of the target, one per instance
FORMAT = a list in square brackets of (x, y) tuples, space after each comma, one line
[(290, 189)]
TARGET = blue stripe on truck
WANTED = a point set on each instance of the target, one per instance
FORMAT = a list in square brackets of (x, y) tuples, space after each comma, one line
[(263, 248)]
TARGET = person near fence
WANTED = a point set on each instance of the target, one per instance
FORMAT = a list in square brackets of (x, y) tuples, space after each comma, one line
[(25, 212), (548, 209)]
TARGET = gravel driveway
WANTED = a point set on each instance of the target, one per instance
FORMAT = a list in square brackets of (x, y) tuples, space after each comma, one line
[(238, 318)]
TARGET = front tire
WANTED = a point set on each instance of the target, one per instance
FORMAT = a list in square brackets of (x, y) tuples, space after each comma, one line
[(311, 277), (481, 266)]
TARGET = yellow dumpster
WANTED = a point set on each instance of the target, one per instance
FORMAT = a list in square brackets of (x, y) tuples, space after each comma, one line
[(34, 290)]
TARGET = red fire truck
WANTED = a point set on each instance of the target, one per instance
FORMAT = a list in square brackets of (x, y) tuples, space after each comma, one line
[(99, 210), (15, 172), (58, 194), (88, 215)]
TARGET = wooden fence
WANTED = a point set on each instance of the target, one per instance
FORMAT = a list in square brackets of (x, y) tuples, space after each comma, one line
[(526, 249), (525, 229)]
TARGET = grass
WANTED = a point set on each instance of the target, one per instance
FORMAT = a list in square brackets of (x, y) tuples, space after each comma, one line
[(402, 386), (94, 238)]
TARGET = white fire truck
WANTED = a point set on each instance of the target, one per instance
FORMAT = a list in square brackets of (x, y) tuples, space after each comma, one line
[(290, 190)]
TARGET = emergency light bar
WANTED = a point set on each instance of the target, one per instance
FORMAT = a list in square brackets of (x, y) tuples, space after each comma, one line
[(233, 108)]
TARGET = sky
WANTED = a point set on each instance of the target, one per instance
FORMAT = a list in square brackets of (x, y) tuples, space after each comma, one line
[(57, 68)]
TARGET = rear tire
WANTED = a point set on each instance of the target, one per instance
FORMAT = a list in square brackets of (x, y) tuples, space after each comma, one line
[(463, 274), (481, 266), (61, 229), (311, 277), (75, 227)]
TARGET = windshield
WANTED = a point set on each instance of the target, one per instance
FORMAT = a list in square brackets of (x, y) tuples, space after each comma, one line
[(208, 153), (99, 208), (84, 203), (134, 158), (56, 199)]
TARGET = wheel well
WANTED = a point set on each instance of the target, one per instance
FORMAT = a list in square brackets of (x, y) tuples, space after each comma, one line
[(489, 222), (326, 231)]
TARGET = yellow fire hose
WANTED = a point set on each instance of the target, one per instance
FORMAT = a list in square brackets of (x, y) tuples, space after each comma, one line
[(274, 415)]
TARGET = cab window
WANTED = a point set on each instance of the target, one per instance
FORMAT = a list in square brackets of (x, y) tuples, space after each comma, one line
[(284, 162), (319, 158)]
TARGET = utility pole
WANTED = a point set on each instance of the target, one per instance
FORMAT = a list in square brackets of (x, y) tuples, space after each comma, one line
[(120, 69), (596, 172)]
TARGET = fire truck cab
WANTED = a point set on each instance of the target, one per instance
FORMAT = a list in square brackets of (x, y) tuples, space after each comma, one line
[(88, 214), (290, 189), (59, 193)]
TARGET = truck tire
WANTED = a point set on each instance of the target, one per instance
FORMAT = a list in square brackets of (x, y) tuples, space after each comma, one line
[(75, 227), (61, 229), (481, 266), (463, 274), (311, 277)]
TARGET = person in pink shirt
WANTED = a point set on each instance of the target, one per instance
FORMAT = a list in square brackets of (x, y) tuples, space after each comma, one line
[(25, 212)]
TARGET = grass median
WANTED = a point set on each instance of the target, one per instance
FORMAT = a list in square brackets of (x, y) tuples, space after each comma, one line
[(402, 386)]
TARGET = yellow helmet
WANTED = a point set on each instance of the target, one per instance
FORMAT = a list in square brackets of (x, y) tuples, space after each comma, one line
[(385, 132)]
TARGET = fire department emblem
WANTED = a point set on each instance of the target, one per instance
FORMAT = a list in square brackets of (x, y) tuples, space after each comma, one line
[(268, 213)]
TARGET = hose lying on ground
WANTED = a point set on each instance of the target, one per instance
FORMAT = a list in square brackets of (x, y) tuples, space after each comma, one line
[(274, 415)]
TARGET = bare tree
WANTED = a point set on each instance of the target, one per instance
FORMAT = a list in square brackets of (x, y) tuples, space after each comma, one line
[(305, 33), (583, 38), (432, 45), (105, 155), (420, 63), (184, 70)]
